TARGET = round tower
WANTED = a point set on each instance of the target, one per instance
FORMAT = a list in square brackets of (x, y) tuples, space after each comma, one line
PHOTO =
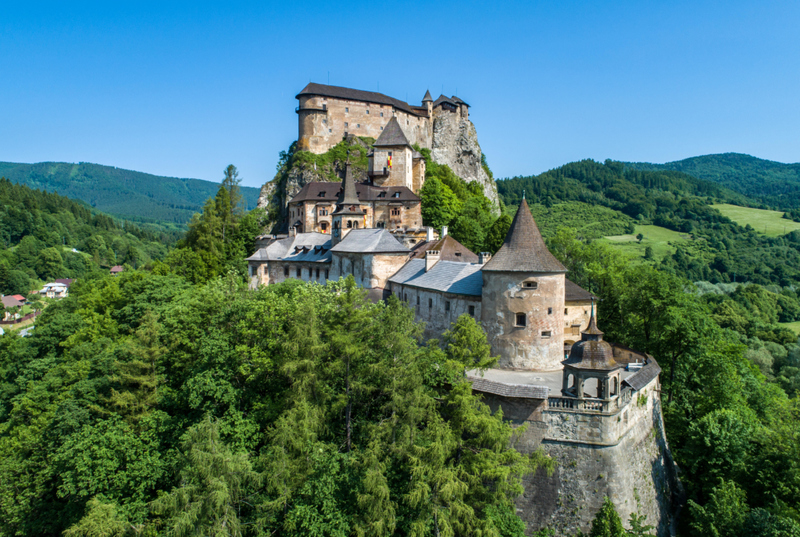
[(522, 301)]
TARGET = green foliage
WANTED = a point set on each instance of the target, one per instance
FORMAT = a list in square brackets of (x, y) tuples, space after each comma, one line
[(773, 184), (46, 236), (606, 522), (157, 203)]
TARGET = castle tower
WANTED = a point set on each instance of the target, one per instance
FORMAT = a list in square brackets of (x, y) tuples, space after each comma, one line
[(392, 163), (522, 301), (590, 371), (348, 214), (427, 101)]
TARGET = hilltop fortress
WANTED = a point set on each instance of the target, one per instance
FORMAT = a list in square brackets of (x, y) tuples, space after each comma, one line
[(592, 405)]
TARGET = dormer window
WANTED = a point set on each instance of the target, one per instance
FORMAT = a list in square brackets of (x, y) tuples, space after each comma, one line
[(396, 195), (382, 195), (321, 194)]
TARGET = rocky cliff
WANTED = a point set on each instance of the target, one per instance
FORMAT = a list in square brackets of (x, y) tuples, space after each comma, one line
[(455, 143)]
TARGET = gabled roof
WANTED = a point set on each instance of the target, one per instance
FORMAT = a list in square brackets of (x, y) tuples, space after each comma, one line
[(392, 135), (369, 241), (305, 247), (322, 191), (449, 250), (445, 276), (11, 302), (574, 292), (355, 95), (455, 101), (524, 249)]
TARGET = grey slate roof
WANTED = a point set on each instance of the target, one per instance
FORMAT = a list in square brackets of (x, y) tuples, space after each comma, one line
[(355, 95), (639, 380), (449, 250), (304, 247), (392, 135), (348, 198), (444, 276), (427, 96), (521, 391), (369, 241), (524, 249), (573, 291)]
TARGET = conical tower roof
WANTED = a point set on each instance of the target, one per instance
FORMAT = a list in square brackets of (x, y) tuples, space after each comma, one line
[(348, 198), (392, 135), (524, 249), (427, 97)]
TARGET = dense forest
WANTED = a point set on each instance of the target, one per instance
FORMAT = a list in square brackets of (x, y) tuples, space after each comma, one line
[(768, 184), (47, 236), (171, 400), (135, 196)]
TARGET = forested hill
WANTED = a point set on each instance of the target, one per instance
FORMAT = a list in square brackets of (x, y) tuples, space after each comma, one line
[(611, 184), (128, 194), (774, 184)]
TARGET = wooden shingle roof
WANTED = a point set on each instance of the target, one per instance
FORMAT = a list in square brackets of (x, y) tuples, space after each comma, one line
[(524, 249)]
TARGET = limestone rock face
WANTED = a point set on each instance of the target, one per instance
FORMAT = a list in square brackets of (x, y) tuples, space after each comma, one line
[(455, 143)]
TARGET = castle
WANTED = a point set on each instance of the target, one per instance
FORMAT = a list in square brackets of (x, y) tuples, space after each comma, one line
[(592, 405), (326, 114)]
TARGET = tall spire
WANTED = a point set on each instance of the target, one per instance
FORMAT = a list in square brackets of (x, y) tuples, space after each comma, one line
[(524, 249), (348, 198), (427, 97), (592, 329)]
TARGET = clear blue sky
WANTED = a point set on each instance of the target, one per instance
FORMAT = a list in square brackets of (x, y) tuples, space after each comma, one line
[(185, 88)]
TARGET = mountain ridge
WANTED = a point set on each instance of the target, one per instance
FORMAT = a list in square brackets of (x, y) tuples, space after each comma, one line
[(128, 194)]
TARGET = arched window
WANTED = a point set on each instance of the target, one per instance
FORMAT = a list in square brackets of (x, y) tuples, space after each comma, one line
[(614, 386), (349, 224)]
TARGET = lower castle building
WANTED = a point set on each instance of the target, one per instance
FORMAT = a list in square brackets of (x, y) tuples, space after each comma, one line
[(592, 405)]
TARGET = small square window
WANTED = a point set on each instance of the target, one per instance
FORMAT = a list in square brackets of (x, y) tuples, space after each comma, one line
[(358, 125), (521, 320), (447, 306), (546, 333), (471, 310), (549, 311)]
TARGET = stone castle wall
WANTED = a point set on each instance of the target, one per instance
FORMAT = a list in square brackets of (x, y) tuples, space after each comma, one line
[(323, 121), (576, 319), (431, 307), (525, 347), (622, 455)]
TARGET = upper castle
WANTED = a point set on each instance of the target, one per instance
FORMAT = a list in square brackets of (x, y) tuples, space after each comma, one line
[(326, 114)]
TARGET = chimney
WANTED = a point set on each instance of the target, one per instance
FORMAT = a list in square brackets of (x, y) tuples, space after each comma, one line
[(484, 257), (444, 231), (429, 234), (431, 258)]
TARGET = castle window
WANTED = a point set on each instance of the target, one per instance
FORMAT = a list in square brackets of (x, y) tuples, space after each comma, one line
[(309, 273), (358, 125), (430, 303), (285, 272), (346, 111), (326, 274), (324, 121), (395, 211), (325, 107), (349, 224), (381, 116), (566, 311), (298, 272), (317, 273), (323, 212), (381, 128), (522, 319), (531, 285), (471, 310), (330, 130), (345, 124), (396, 195), (324, 226), (405, 297), (447, 306), (549, 311), (367, 110), (546, 333), (417, 300)]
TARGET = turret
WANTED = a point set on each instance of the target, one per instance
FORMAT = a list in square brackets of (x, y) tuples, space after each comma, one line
[(428, 102), (522, 303), (348, 214)]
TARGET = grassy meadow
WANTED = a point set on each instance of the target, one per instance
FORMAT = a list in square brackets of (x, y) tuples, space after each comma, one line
[(770, 223), (660, 239)]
